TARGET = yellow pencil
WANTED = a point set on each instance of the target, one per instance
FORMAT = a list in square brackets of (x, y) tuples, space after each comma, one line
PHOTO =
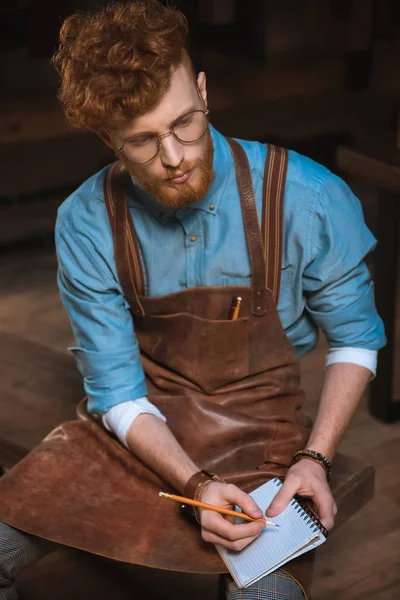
[(235, 308), (218, 509)]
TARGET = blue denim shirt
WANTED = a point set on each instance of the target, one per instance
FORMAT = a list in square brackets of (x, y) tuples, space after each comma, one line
[(325, 282)]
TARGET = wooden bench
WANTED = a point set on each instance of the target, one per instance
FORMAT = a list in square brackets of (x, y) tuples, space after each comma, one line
[(39, 389)]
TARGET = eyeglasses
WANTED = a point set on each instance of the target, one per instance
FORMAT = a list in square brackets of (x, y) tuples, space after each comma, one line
[(190, 128)]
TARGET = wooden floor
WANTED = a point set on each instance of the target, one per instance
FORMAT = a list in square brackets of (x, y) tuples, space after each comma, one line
[(362, 560)]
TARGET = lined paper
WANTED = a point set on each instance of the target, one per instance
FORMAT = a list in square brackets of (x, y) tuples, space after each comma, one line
[(275, 545)]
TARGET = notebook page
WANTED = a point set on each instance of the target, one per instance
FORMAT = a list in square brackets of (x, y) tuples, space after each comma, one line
[(275, 545)]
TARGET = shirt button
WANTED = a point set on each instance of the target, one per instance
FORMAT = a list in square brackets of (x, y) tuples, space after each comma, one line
[(193, 238), (212, 206)]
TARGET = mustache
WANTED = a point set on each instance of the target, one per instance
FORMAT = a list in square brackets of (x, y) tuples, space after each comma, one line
[(184, 167)]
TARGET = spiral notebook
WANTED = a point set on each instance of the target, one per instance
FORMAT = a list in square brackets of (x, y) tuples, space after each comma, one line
[(300, 531)]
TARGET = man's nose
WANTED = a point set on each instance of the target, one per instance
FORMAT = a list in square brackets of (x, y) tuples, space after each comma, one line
[(171, 152)]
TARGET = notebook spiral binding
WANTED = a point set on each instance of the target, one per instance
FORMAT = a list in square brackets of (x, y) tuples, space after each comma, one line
[(306, 512)]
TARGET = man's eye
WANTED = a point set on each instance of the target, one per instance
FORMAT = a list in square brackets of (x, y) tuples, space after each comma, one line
[(141, 140), (185, 121)]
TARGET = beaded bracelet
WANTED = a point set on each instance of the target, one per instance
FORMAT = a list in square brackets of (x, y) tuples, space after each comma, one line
[(315, 457)]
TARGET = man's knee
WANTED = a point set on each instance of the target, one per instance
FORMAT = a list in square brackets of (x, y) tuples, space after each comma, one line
[(18, 550), (12, 553), (278, 585)]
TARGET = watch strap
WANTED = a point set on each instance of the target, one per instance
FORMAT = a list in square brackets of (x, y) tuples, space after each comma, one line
[(195, 480)]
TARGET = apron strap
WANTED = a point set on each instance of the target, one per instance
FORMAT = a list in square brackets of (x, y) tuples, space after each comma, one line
[(251, 226), (126, 249), (272, 215)]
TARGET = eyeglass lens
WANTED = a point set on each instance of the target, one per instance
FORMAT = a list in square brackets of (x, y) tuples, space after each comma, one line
[(189, 129)]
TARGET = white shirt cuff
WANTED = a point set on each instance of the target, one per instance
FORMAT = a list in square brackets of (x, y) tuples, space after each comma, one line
[(357, 356), (121, 416)]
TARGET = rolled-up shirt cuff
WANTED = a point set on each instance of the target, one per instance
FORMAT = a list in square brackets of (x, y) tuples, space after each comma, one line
[(121, 416), (357, 356), (110, 376)]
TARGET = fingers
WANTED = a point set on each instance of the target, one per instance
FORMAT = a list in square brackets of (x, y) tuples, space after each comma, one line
[(326, 508), (218, 525), (283, 497), (235, 496), (234, 537), (307, 482), (237, 546), (225, 531)]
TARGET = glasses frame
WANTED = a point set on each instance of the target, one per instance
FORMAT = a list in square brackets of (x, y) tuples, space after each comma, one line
[(160, 136)]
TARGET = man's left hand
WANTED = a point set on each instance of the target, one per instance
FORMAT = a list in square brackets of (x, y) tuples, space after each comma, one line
[(306, 478)]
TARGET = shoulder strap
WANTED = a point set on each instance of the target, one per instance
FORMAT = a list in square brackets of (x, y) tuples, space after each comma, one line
[(251, 226), (126, 249), (272, 215)]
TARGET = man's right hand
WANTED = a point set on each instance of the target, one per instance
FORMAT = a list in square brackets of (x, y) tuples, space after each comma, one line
[(222, 529), (170, 461)]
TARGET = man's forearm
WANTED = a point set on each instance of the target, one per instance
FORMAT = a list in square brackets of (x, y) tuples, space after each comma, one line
[(151, 440), (343, 387)]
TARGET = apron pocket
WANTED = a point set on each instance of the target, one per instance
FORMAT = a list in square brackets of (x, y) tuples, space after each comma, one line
[(209, 353)]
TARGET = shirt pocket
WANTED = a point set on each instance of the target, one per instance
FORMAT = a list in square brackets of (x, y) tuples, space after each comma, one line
[(245, 279)]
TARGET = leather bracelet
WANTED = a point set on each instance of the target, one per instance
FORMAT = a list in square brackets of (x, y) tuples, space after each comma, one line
[(197, 496), (315, 457), (196, 479)]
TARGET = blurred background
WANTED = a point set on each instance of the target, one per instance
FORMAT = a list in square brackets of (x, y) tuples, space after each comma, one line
[(318, 76)]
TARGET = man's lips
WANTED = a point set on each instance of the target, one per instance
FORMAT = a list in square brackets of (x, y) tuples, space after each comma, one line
[(181, 178)]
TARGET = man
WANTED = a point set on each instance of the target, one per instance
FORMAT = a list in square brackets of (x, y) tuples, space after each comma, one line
[(169, 236)]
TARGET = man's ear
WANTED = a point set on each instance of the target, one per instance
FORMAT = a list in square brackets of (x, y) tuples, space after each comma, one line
[(201, 84)]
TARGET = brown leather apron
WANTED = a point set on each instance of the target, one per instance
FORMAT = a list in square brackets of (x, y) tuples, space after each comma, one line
[(230, 391)]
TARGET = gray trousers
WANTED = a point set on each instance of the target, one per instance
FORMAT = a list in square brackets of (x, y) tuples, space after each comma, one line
[(19, 550)]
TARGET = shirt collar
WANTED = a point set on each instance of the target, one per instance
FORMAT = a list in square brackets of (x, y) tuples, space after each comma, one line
[(223, 167)]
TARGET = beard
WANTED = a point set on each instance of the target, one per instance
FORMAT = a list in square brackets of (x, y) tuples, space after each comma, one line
[(179, 195)]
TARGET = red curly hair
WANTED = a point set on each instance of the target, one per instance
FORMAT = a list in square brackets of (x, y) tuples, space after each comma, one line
[(115, 64)]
